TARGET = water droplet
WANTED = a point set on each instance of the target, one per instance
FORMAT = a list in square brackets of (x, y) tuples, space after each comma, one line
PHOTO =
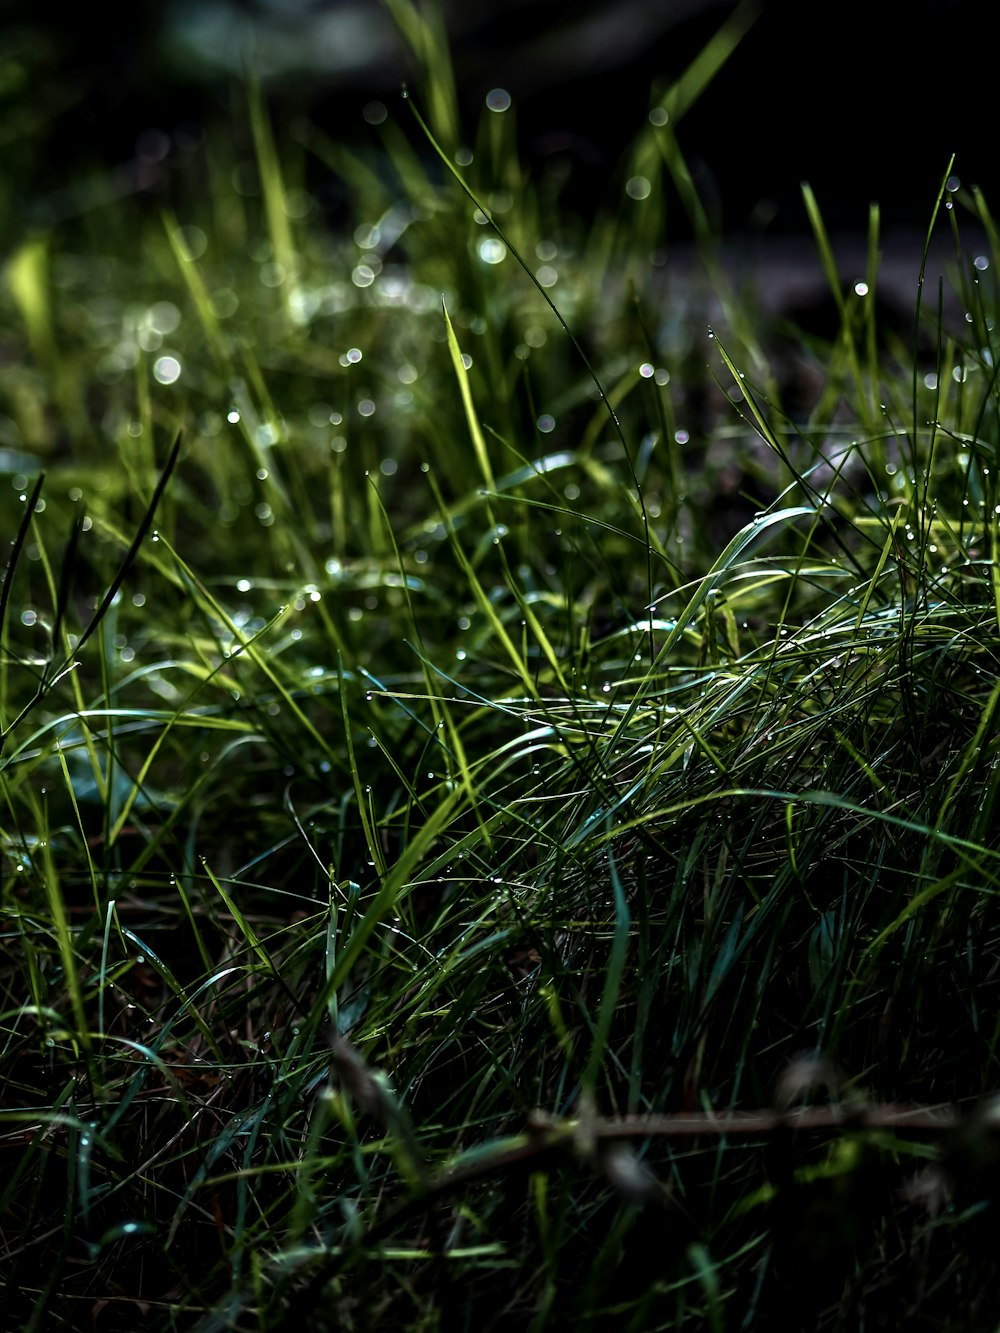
[(166, 369), (491, 250)]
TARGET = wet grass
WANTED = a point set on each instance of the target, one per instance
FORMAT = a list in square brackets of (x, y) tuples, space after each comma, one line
[(498, 779)]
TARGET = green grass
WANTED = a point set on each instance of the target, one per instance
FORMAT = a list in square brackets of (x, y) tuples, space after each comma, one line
[(430, 816)]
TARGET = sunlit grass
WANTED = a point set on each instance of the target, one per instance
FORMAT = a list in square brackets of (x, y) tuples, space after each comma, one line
[(467, 729)]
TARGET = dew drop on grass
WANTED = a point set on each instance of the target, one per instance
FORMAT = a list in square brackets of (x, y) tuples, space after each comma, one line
[(166, 369), (491, 250)]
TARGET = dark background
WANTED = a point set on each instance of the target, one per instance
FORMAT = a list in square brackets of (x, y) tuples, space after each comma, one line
[(867, 101)]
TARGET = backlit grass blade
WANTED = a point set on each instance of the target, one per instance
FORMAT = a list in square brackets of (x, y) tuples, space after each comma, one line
[(188, 267), (275, 201), (462, 376), (484, 602)]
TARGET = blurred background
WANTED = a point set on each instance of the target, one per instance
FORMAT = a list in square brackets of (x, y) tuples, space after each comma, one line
[(866, 101)]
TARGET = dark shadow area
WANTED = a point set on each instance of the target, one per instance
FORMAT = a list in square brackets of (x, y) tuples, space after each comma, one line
[(863, 107)]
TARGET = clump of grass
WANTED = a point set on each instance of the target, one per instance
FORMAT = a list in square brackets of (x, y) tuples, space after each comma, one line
[(434, 826)]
